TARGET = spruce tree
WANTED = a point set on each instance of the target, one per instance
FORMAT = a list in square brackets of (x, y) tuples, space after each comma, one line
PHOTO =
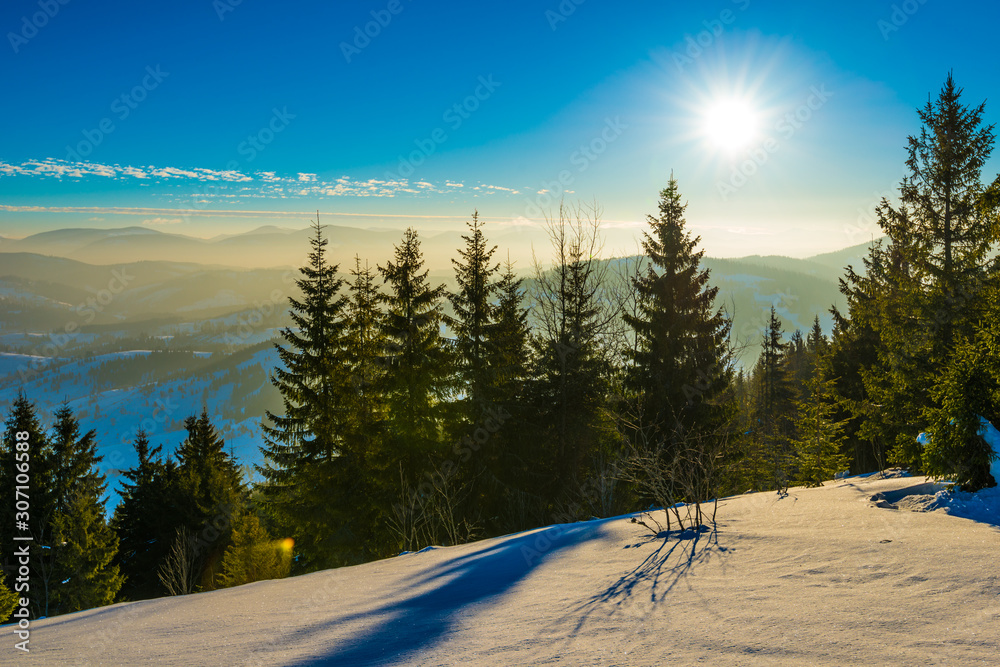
[(817, 448), (774, 407), (365, 474), (570, 374), (506, 454), (253, 555), (304, 446), (680, 364), (925, 291), (679, 369), (146, 519), (967, 393), (473, 305), (83, 573), (212, 486), (419, 365)]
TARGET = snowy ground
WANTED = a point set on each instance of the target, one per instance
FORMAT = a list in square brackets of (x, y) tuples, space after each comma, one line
[(821, 577)]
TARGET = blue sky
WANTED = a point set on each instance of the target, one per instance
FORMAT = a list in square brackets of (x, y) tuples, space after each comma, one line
[(207, 117)]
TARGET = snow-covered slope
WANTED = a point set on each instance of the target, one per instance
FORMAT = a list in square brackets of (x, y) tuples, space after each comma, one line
[(820, 577)]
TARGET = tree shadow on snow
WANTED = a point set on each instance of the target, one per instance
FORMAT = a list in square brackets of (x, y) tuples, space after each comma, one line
[(676, 554), (409, 624), (649, 583)]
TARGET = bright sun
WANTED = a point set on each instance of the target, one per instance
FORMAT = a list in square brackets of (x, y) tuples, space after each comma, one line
[(730, 125)]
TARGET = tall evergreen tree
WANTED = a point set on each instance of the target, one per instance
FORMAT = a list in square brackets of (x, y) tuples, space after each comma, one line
[(967, 393), (570, 374), (418, 377), (305, 446), (681, 355), (366, 476), (473, 305), (146, 519), (84, 575), (818, 455), (680, 366), (774, 408), (212, 484), (925, 290)]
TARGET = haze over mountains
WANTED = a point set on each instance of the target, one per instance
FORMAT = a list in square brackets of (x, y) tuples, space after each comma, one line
[(264, 247), (137, 279), (271, 246), (180, 278)]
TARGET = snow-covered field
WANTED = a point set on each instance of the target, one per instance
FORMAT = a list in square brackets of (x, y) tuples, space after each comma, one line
[(820, 577)]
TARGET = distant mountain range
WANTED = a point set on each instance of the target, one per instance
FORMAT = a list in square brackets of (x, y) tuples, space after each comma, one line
[(265, 247), (130, 279), (271, 247)]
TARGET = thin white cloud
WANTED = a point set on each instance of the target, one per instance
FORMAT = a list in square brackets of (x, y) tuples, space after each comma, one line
[(134, 173), (229, 184), (224, 213), (500, 188)]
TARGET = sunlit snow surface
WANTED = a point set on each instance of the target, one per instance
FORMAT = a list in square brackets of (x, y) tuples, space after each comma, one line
[(818, 577)]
